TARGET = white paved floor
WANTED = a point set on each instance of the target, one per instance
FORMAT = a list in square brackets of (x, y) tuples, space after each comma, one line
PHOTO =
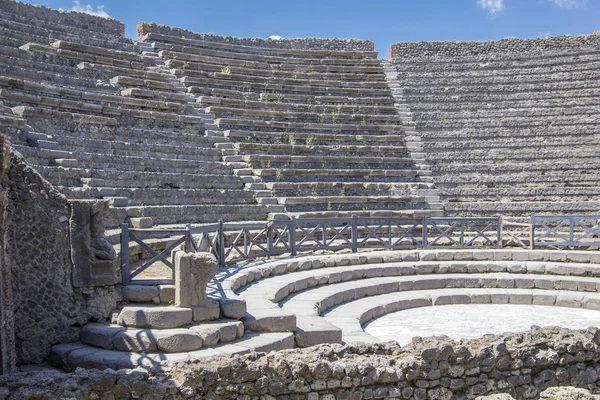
[(473, 321)]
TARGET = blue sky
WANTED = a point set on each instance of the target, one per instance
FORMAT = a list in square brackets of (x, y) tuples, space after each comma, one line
[(384, 22)]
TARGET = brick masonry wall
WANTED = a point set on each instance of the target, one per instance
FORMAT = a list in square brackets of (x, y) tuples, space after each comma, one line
[(506, 47), (47, 308), (71, 18), (144, 28), (520, 364)]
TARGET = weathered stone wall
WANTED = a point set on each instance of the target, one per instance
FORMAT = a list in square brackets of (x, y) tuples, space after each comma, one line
[(507, 47), (7, 334), (300, 44), (47, 308), (521, 364), (70, 18)]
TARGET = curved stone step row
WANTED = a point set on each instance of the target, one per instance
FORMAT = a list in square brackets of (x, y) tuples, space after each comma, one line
[(468, 106), (206, 69), (535, 134), (209, 64), (23, 64), (322, 282), (362, 211), (168, 41), (295, 147), (491, 142), (352, 316), (237, 123), (78, 57), (522, 61), (16, 34), (317, 138), (271, 103), (555, 178), (260, 60), (504, 113), (493, 79), (292, 80), (28, 23), (287, 189), (276, 96), (189, 213), (586, 64), (491, 98), (156, 196), (338, 175), (71, 356), (540, 193), (199, 85), (128, 179), (518, 122), (523, 207), (308, 117)]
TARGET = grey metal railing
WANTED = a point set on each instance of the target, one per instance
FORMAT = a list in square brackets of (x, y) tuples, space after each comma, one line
[(565, 231), (235, 242)]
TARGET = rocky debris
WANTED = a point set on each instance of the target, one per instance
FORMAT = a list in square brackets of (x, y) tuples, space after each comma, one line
[(522, 365)]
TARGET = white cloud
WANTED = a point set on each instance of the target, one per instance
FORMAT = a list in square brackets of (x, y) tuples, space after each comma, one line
[(275, 37), (493, 6), (88, 9), (570, 3)]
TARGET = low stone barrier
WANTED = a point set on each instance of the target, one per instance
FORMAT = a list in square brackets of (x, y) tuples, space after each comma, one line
[(520, 364)]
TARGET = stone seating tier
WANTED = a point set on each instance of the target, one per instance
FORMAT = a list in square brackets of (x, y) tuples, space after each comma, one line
[(211, 64), (22, 29), (162, 41)]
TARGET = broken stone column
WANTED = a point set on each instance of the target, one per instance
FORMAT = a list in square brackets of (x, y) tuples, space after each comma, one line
[(193, 272)]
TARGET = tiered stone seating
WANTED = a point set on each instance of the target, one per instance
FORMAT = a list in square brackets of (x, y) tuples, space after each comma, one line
[(507, 132), (107, 120), (314, 130), (328, 298)]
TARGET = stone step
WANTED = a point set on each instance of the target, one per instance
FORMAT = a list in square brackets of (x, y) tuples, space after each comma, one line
[(336, 88), (229, 123), (215, 64), (294, 146), (297, 98), (135, 179), (270, 102), (419, 213), (161, 41), (313, 139), (159, 317), (71, 356), (173, 340)]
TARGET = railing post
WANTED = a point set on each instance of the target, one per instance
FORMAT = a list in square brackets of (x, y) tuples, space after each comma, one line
[(532, 233), (499, 231), (269, 239), (354, 233), (424, 233), (125, 254), (221, 244), (292, 235), (188, 239)]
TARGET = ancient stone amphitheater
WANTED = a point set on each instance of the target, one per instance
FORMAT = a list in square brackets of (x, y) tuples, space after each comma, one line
[(198, 207)]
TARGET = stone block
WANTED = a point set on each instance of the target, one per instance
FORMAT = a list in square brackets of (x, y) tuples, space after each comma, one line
[(177, 340), (569, 299), (166, 293), (139, 293), (141, 222), (311, 331), (206, 313), (100, 335), (135, 340), (193, 271), (154, 317), (270, 320), (232, 308)]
